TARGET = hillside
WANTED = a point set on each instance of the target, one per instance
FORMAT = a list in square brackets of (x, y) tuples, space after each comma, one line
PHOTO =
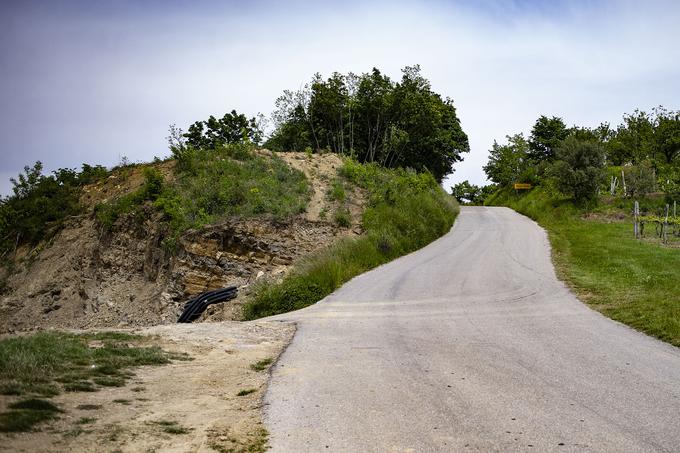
[(125, 274)]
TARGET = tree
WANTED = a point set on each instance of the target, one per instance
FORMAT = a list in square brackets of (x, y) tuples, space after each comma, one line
[(667, 134), (546, 136), (233, 127), (373, 119), (579, 168), (508, 163), (465, 192)]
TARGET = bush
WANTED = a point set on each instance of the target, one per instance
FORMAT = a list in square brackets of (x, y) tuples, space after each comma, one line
[(579, 169), (39, 204), (640, 179)]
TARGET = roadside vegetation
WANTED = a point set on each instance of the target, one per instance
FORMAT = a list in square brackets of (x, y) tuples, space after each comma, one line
[(406, 211), (212, 185), (585, 183), (43, 365)]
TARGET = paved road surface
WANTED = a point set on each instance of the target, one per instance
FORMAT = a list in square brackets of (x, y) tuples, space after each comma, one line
[(471, 344)]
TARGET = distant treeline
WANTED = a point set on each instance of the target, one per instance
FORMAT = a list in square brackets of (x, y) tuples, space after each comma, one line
[(582, 161)]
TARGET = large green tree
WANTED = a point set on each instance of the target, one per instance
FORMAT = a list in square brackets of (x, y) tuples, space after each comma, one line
[(373, 119), (546, 136), (509, 163)]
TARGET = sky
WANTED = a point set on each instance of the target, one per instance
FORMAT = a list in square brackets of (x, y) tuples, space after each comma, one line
[(98, 81)]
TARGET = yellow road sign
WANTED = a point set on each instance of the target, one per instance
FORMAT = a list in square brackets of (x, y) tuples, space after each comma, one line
[(522, 186)]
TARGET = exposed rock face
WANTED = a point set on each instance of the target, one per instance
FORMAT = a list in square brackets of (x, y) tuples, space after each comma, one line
[(88, 278)]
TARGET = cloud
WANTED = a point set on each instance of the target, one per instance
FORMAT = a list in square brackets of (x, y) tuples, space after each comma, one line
[(92, 82)]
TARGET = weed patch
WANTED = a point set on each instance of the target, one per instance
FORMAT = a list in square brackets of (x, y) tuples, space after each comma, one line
[(261, 365), (246, 392), (49, 362), (24, 415)]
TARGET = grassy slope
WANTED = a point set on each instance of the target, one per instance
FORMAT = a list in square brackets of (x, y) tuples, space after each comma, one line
[(406, 211), (633, 282), (212, 185)]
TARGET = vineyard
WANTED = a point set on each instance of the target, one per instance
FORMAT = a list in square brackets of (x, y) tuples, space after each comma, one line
[(666, 226)]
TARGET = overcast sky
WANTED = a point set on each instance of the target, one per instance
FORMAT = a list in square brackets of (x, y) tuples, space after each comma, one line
[(94, 81)]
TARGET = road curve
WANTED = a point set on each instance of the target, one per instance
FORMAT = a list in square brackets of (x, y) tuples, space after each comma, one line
[(471, 344)]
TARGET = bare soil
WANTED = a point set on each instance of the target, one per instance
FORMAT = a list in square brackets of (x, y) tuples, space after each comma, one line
[(87, 278), (186, 406)]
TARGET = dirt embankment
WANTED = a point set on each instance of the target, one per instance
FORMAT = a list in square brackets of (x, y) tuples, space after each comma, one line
[(87, 278)]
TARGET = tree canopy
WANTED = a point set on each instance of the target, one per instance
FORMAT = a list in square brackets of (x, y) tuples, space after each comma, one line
[(233, 127), (373, 119), (645, 145)]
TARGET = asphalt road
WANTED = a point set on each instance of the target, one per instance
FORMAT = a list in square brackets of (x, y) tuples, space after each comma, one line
[(471, 344)]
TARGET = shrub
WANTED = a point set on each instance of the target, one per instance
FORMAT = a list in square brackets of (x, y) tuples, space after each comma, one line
[(579, 169), (640, 179)]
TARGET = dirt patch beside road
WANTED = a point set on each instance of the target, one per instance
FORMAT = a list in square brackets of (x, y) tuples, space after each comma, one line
[(184, 406)]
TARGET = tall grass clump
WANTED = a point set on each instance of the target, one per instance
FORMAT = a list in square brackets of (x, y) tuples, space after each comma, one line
[(406, 210)]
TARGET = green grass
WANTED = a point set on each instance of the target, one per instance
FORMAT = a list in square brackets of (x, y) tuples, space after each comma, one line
[(337, 190), (261, 365), (46, 363), (405, 212), (49, 362), (24, 415), (212, 185), (631, 281), (86, 420)]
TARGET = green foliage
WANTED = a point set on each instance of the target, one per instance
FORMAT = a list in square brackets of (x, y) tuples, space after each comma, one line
[(231, 128), (373, 119), (153, 187), (643, 145), (579, 169), (40, 204), (509, 163), (631, 281), (261, 365), (465, 192), (337, 190), (669, 182), (45, 362), (406, 211), (342, 218), (640, 179), (546, 136), (211, 185), (232, 180)]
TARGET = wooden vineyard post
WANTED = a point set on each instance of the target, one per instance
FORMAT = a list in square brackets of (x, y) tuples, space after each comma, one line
[(623, 183), (636, 213), (664, 228)]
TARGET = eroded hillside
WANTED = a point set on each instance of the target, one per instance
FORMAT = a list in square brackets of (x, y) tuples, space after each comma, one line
[(89, 275)]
